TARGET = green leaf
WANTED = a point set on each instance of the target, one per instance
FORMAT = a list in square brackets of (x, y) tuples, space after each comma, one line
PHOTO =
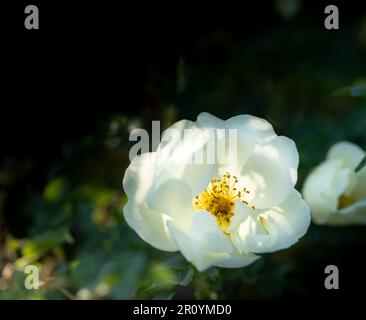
[(184, 278), (54, 189), (166, 294), (35, 248), (213, 273), (357, 91), (354, 91)]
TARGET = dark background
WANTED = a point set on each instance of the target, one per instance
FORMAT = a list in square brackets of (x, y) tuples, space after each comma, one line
[(71, 90)]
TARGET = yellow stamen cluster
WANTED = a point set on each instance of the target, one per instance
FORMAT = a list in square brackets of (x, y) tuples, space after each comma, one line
[(219, 199)]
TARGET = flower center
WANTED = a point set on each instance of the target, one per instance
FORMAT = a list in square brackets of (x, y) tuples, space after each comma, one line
[(345, 201), (219, 199)]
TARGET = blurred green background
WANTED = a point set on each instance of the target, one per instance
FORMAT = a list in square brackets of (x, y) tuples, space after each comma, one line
[(61, 204)]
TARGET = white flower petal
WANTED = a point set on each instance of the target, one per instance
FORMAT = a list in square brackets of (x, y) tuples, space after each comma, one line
[(174, 199), (274, 229), (171, 138), (186, 158), (354, 214), (139, 176), (271, 172), (356, 207), (250, 131), (258, 129), (347, 152), (236, 260), (237, 151), (197, 177), (240, 215), (149, 225), (291, 220), (323, 187), (252, 236), (205, 244), (207, 120)]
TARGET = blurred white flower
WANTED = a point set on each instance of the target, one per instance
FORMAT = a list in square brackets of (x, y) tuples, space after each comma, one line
[(218, 213), (335, 193)]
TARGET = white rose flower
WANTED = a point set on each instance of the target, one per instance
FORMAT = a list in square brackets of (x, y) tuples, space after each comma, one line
[(335, 193), (219, 213)]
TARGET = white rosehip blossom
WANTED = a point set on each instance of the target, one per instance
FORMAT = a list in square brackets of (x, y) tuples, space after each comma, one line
[(335, 193), (219, 214)]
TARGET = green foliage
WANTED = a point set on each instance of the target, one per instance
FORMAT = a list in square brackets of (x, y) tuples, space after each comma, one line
[(356, 90)]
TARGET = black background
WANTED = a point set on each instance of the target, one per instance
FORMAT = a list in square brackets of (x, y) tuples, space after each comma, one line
[(92, 58)]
